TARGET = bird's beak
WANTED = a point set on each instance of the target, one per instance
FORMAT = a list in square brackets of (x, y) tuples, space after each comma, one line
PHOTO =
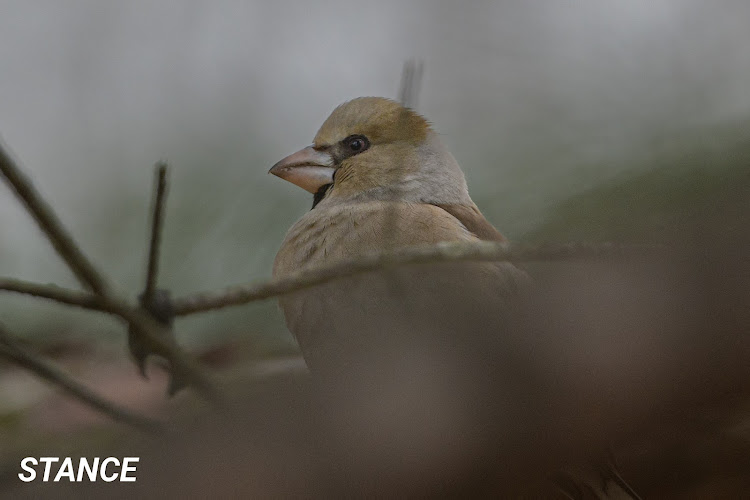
[(308, 168)]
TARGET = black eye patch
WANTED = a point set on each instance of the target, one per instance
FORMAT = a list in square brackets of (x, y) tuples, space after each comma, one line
[(352, 145)]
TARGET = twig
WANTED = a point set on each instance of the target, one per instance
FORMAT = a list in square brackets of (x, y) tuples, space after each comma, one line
[(157, 222), (442, 252), (241, 294), (411, 83), (50, 224), (159, 342), (76, 298), (155, 336), (12, 349)]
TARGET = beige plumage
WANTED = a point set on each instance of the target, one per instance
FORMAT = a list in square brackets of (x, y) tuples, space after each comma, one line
[(382, 179)]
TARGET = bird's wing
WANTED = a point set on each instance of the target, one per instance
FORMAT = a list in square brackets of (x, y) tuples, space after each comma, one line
[(474, 221)]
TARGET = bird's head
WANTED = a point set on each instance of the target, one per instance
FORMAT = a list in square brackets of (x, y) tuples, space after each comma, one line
[(373, 148)]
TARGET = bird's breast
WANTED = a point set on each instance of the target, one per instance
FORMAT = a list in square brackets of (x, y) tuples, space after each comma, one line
[(343, 231), (396, 312)]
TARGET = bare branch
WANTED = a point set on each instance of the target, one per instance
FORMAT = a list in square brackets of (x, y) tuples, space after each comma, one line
[(159, 340), (66, 296), (12, 349), (50, 224), (157, 222), (155, 336), (442, 252)]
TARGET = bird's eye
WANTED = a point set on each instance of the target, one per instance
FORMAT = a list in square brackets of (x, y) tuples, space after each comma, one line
[(357, 143)]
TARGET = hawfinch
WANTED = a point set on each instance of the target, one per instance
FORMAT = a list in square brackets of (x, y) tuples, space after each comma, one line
[(383, 179)]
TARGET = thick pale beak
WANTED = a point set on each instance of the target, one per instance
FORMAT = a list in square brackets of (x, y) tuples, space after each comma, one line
[(308, 168)]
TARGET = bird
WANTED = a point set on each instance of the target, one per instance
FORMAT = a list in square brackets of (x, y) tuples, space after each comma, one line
[(422, 365), (382, 179)]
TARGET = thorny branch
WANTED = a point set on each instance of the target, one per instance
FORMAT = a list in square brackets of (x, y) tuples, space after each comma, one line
[(153, 334)]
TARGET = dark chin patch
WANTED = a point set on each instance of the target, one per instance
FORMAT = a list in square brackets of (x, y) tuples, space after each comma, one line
[(320, 194)]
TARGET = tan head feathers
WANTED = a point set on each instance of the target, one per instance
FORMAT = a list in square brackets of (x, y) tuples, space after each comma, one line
[(381, 120)]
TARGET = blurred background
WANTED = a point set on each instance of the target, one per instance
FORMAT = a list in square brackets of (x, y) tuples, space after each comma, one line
[(583, 120)]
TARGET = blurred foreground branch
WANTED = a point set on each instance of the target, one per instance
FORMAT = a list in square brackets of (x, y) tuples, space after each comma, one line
[(411, 83), (12, 349)]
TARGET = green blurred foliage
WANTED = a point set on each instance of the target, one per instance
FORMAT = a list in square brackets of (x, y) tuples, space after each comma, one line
[(680, 181)]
